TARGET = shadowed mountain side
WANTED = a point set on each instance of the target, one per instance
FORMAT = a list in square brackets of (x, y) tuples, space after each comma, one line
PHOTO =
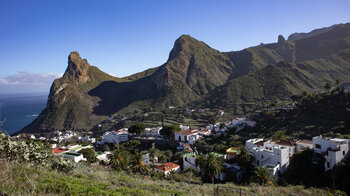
[(323, 44), (278, 81), (114, 96)]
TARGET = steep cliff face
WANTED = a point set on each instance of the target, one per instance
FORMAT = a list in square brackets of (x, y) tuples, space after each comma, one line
[(69, 106), (75, 74), (193, 69), (77, 69), (85, 96)]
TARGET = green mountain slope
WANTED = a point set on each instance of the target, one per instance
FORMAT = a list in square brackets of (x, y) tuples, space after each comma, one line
[(85, 96), (192, 70), (197, 74)]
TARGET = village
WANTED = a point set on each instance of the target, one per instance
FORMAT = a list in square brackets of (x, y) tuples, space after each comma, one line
[(271, 154)]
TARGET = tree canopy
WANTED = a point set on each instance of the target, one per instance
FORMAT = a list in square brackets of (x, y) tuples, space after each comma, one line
[(137, 128), (168, 130), (89, 154), (210, 165)]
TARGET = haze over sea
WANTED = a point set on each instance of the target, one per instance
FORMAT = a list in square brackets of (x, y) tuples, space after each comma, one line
[(20, 109)]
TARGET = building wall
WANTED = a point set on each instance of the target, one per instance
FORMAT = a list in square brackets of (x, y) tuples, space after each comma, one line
[(192, 138), (115, 137), (324, 144), (250, 143), (333, 150), (334, 157), (188, 162), (278, 156)]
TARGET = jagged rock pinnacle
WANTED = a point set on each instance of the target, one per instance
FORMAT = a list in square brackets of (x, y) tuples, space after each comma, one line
[(281, 39), (77, 68)]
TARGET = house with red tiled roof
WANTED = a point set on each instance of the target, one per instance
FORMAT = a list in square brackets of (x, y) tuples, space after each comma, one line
[(166, 168), (187, 136), (59, 150)]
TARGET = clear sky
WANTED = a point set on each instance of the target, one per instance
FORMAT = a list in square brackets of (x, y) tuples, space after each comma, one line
[(125, 37)]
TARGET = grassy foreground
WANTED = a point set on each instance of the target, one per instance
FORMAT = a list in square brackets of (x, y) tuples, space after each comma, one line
[(22, 179)]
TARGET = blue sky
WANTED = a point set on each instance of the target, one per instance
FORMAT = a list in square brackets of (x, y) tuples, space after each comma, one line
[(125, 37)]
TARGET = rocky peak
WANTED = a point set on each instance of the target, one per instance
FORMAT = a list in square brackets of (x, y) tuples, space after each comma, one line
[(180, 44), (77, 68), (281, 39), (186, 44)]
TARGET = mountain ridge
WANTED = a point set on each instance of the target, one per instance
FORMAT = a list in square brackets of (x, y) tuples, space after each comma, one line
[(196, 73)]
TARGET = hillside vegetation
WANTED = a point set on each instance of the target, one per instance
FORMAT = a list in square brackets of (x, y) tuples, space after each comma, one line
[(85, 180)]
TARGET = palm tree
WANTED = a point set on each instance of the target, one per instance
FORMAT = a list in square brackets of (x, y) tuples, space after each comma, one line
[(153, 153), (244, 157), (168, 154), (210, 165), (119, 159), (328, 87), (279, 135), (138, 166), (263, 175), (337, 82)]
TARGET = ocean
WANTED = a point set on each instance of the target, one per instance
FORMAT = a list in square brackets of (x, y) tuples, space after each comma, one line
[(19, 110)]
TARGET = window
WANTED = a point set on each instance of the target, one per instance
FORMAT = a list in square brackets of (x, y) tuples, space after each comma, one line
[(318, 146), (257, 163), (262, 156), (343, 152), (328, 164)]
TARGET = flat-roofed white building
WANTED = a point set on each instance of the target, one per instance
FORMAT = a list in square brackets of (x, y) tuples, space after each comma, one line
[(334, 150), (115, 137), (73, 156), (187, 136), (154, 131), (268, 154)]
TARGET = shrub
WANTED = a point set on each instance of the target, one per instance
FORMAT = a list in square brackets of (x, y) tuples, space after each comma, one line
[(62, 165)]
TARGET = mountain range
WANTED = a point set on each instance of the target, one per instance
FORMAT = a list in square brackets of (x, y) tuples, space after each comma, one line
[(199, 76)]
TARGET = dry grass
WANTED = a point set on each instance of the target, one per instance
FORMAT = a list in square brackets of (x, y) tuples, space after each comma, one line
[(21, 179)]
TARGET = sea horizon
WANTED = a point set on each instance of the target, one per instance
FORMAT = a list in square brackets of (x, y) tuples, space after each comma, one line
[(20, 109)]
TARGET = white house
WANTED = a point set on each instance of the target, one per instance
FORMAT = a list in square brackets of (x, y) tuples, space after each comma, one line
[(287, 144), (166, 168), (115, 137), (334, 150), (256, 142), (205, 132), (187, 136), (73, 156), (241, 123), (146, 159), (269, 155), (103, 156), (154, 131)]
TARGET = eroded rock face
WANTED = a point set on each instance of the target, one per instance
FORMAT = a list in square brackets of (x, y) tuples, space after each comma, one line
[(77, 68), (76, 73)]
